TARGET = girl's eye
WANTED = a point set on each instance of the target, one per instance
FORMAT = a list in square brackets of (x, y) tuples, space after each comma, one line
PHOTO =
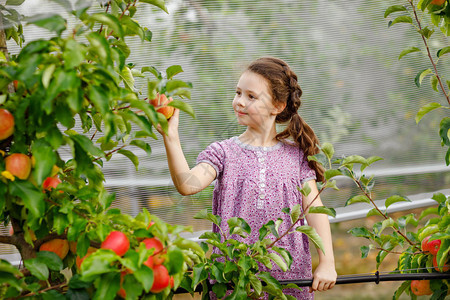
[(238, 93), (251, 96)]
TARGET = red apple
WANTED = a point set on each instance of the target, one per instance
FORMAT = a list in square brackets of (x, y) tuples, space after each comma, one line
[(160, 279), (431, 246), (438, 2), (116, 241), (154, 243), (19, 165), (443, 269), (58, 246), (6, 124), (160, 104), (421, 287), (51, 183)]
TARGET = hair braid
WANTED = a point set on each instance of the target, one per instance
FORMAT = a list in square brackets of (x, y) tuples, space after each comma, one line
[(285, 89)]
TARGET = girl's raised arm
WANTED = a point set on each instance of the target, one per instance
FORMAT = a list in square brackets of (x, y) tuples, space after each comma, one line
[(187, 181), (325, 273)]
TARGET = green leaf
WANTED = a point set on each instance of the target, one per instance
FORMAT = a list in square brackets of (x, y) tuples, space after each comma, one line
[(173, 70), (182, 106), (87, 145), (255, 283), (394, 8), (175, 260), (444, 131), (306, 189), (45, 159), (421, 75), (434, 82), (407, 51), (296, 210), (107, 286), (145, 276), (152, 70), (401, 19), (100, 98), (356, 199), (143, 145), (277, 259), (37, 268), (131, 156), (14, 2), (387, 223), (98, 263), (220, 289), (312, 234), (322, 210), (443, 51), (373, 159), (203, 214), (175, 84), (373, 212), (328, 150), (47, 75), (395, 198), (52, 22), (51, 260), (30, 195), (361, 232), (127, 78), (354, 159), (199, 274), (426, 32), (109, 20), (53, 295), (332, 173), (403, 287), (426, 109), (364, 251), (439, 197), (158, 3)]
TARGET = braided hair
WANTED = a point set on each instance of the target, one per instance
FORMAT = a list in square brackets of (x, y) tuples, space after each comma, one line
[(284, 89)]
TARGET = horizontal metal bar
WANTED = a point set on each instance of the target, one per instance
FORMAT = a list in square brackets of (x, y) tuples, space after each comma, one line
[(349, 279)]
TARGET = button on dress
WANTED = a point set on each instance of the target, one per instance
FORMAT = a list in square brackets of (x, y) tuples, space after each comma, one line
[(256, 183)]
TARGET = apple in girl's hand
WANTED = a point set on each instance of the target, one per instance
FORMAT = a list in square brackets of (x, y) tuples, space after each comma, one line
[(6, 124), (116, 241), (19, 165), (160, 104)]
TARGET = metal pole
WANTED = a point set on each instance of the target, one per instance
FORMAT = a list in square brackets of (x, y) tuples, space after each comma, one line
[(350, 279)]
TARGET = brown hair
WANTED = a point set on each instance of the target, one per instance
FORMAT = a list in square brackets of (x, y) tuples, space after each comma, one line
[(285, 89)]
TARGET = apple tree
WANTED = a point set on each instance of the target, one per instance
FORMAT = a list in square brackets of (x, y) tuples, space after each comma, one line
[(70, 239), (421, 242)]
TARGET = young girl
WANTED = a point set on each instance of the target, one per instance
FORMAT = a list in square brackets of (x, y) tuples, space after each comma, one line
[(259, 171)]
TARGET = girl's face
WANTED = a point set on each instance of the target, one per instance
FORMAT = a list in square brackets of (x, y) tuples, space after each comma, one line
[(253, 103)]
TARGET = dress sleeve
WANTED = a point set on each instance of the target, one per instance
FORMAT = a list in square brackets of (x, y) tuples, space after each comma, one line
[(306, 173), (213, 155)]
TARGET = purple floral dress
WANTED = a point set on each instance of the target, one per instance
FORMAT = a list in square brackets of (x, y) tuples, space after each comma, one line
[(256, 183)]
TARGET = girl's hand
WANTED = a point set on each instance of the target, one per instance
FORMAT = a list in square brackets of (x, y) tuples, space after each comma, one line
[(324, 277), (173, 125)]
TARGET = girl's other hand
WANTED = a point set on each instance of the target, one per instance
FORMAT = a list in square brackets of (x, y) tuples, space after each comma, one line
[(324, 278), (173, 125)]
